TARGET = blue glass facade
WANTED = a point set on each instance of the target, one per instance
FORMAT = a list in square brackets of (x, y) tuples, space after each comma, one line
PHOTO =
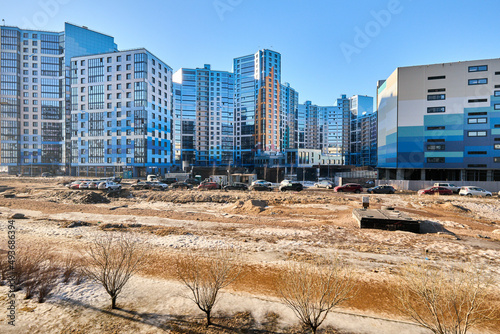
[(204, 117)]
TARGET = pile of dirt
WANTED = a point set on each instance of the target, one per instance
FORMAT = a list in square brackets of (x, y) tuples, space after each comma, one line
[(91, 198), (249, 206), (453, 207)]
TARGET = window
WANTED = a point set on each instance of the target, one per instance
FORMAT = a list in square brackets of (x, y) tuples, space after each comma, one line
[(476, 134), (496, 160), (496, 146), (478, 81), (476, 152), (478, 113), (432, 110), (437, 77), (436, 147), (497, 106), (436, 90), (435, 128), (478, 100), (433, 97), (478, 120), (435, 160), (497, 93), (479, 68)]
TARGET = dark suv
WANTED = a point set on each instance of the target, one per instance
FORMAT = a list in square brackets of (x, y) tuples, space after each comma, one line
[(291, 186), (349, 187)]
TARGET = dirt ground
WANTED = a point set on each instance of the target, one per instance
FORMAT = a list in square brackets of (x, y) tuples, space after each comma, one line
[(267, 230)]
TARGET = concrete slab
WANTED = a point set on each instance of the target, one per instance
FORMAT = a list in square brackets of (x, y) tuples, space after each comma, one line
[(390, 220)]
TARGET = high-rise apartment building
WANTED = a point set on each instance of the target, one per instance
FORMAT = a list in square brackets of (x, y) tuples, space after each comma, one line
[(289, 116), (361, 148), (320, 128), (34, 93), (257, 105), (121, 114), (440, 122), (204, 117)]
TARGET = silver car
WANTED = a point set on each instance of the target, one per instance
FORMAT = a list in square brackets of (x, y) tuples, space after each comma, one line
[(474, 191), (324, 184)]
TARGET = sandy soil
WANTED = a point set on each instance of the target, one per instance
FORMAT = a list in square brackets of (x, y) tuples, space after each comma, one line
[(267, 229)]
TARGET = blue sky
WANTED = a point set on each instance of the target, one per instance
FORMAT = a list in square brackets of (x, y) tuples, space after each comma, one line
[(328, 47)]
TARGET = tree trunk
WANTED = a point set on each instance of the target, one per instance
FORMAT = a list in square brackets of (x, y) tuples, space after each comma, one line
[(314, 329), (113, 302), (208, 319)]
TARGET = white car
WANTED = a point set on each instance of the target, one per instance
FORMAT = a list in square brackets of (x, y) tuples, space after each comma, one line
[(263, 182), (109, 185), (474, 191), (159, 185)]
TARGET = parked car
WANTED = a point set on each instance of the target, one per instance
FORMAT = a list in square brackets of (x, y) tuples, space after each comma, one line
[(236, 186), (325, 184), (169, 180), (382, 189), (142, 185), (450, 186), (264, 182), (434, 190), (291, 186), (194, 182), (181, 185), (47, 174), (84, 185), (94, 184), (74, 184), (208, 186), (109, 185), (474, 191), (158, 185), (349, 187), (260, 187)]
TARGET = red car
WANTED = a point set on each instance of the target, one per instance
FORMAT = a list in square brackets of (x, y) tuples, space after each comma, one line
[(208, 186), (349, 187), (433, 190)]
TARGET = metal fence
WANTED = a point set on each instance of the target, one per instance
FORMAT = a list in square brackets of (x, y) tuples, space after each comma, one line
[(493, 186)]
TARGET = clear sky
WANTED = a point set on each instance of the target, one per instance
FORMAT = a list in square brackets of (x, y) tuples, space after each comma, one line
[(328, 47)]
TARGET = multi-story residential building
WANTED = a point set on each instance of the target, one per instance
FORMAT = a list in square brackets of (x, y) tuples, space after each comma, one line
[(257, 105), (362, 142), (330, 131), (440, 122), (289, 119), (204, 117), (320, 128), (121, 114), (34, 93)]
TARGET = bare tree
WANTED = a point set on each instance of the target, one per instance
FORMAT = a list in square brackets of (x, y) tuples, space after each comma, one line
[(112, 261), (312, 291), (206, 275), (446, 301)]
